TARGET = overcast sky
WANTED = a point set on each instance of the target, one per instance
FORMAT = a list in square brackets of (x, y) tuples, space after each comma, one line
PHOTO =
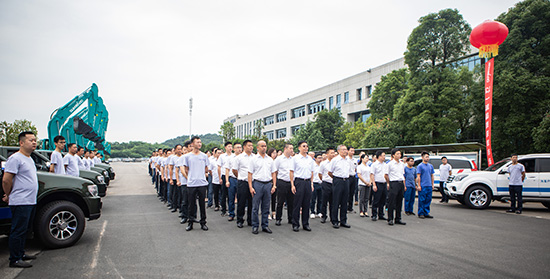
[(232, 57)]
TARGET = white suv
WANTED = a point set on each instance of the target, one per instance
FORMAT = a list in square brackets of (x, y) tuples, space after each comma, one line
[(460, 165), (478, 189)]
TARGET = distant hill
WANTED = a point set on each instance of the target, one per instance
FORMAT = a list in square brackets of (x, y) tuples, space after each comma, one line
[(205, 139)]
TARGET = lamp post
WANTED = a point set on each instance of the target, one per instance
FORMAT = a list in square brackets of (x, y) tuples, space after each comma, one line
[(190, 114)]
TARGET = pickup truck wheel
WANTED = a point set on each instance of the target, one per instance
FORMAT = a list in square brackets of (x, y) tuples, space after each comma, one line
[(546, 203), (60, 224), (477, 197), (460, 200)]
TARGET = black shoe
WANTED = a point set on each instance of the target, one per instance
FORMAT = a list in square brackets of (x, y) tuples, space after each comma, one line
[(382, 218), (255, 230), (296, 228), (412, 213), (183, 220), (174, 210), (407, 213), (510, 210), (267, 230), (421, 216), (345, 225), (428, 216), (374, 218), (324, 220), (278, 222), (204, 227), (336, 226), (307, 228), (399, 222), (249, 224), (390, 222), (230, 218), (189, 226), (28, 257), (518, 212), (20, 263), (289, 221), (240, 225), (216, 208)]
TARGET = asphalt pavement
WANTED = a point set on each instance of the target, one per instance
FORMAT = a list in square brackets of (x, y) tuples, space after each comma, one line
[(137, 237)]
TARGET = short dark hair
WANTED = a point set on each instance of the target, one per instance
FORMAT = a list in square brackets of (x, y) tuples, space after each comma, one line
[(246, 141), (70, 145), (186, 144), (443, 157), (329, 149), (177, 146), (409, 159), (424, 153), (227, 143), (318, 155), (235, 143), (379, 152), (58, 138), (349, 147), (195, 138), (287, 144), (514, 154), (79, 148), (270, 151), (214, 149), (300, 142), (363, 156), (24, 134), (395, 150)]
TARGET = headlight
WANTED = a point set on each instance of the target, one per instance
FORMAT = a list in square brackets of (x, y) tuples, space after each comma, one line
[(100, 179), (93, 190), (460, 177), (105, 173)]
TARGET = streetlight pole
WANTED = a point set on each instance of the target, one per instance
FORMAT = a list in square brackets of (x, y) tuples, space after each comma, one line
[(190, 114)]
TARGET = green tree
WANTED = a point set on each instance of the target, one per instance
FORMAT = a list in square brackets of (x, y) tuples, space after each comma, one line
[(381, 133), (258, 127), (541, 135), (227, 131), (329, 124), (10, 131), (355, 133), (387, 92), (310, 134), (521, 96)]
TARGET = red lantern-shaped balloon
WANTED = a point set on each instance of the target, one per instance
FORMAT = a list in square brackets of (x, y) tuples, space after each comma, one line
[(487, 37)]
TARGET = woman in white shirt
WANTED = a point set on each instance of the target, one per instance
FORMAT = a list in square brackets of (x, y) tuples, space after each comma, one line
[(363, 173)]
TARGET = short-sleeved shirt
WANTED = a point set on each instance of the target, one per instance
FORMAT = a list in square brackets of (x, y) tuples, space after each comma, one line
[(395, 171), (410, 177), (90, 163), (316, 171), (444, 172), (179, 165), (303, 166), (230, 164), (378, 169), (71, 161), (262, 168), (324, 169), (197, 164), (172, 159), (515, 174), (57, 159), (364, 171), (284, 165), (340, 167), (25, 182), (96, 160), (425, 171), (214, 168), (81, 163), (242, 163), (353, 166)]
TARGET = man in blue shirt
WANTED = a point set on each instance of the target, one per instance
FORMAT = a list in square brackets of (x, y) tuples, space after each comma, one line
[(410, 184), (517, 175), (425, 173)]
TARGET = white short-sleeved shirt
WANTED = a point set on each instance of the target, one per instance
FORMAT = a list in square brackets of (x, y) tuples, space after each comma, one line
[(324, 169), (353, 166), (71, 161), (90, 163), (379, 169), (364, 171), (395, 171), (303, 166), (179, 165), (515, 174), (25, 182), (316, 171), (242, 163), (444, 172), (340, 167), (197, 164), (214, 168), (57, 159), (97, 160), (284, 165), (261, 168), (173, 160), (230, 163), (81, 163), (223, 162)]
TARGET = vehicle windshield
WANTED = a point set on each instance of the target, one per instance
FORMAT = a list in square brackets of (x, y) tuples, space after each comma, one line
[(498, 164)]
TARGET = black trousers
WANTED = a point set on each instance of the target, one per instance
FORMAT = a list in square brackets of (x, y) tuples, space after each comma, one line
[(340, 192), (444, 197), (516, 194), (174, 193), (200, 193), (284, 194), (302, 201), (397, 189), (216, 188), (244, 199), (351, 193), (379, 199), (274, 201), (327, 198), (184, 206), (224, 189)]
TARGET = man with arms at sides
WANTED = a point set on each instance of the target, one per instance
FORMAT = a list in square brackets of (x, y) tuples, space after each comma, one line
[(261, 174), (517, 176), (176, 193), (71, 161), (326, 185), (378, 170), (196, 168), (302, 187), (425, 173), (181, 182), (395, 174), (339, 171), (244, 198), (56, 159), (285, 173)]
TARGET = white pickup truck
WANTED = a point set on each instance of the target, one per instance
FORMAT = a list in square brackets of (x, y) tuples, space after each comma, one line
[(477, 189)]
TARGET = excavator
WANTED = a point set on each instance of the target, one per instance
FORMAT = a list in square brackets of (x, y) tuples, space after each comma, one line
[(80, 123)]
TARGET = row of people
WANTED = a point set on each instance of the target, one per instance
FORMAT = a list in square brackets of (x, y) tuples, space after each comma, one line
[(77, 158)]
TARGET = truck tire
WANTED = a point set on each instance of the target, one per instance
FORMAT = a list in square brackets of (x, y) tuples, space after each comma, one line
[(477, 197), (546, 203), (460, 200), (60, 224)]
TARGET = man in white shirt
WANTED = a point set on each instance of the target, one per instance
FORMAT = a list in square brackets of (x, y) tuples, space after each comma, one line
[(302, 187), (81, 163), (216, 186), (56, 159), (317, 195), (71, 161), (174, 188), (339, 171), (196, 168), (380, 185), (244, 198), (326, 184), (97, 158), (261, 174), (445, 170), (352, 179), (285, 173), (395, 174), (181, 181), (223, 163)]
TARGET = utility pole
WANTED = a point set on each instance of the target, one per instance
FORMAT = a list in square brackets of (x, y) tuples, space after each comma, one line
[(190, 114)]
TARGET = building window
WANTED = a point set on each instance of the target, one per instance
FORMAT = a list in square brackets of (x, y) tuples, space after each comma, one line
[(299, 112), (316, 107), (269, 120), (368, 91), (359, 94), (330, 103), (346, 97), (338, 101), (294, 129), (270, 135), (281, 116), (362, 116), (281, 133)]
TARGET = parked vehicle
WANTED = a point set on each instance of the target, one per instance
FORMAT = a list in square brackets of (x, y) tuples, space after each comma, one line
[(478, 189), (459, 164), (63, 204)]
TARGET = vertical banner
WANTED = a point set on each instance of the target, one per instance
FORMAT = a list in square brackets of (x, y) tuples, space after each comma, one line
[(489, 108)]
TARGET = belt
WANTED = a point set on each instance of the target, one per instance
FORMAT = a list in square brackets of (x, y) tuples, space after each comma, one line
[(283, 180), (297, 178), (336, 177), (255, 180), (396, 180), (327, 182)]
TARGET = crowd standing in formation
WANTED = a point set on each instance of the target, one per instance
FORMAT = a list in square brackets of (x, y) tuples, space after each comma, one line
[(309, 185), (76, 159)]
